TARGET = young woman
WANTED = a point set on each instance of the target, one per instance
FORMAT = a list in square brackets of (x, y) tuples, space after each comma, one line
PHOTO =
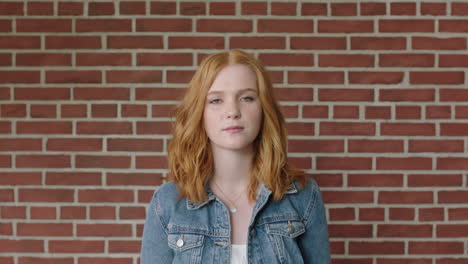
[(232, 195)]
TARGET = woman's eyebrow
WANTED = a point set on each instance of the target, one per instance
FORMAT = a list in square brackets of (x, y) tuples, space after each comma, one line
[(240, 91)]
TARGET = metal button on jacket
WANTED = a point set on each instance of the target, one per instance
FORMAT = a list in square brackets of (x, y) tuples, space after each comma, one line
[(180, 242)]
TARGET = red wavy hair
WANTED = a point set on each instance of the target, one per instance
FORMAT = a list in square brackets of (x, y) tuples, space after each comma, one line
[(190, 157)]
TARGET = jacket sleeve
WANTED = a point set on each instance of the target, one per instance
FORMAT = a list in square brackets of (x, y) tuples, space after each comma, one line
[(314, 243), (154, 246)]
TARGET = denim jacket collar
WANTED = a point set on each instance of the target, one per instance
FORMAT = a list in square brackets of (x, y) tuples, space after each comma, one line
[(262, 194)]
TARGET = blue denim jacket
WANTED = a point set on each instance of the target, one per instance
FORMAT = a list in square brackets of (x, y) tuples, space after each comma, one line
[(292, 230)]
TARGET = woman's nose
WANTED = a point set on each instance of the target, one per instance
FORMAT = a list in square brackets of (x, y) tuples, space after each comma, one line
[(232, 110)]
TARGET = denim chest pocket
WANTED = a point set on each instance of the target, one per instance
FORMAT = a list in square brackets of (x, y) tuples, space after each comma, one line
[(282, 236), (187, 247)]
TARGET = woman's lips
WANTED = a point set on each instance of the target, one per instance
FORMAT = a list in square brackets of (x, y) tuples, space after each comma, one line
[(233, 129)]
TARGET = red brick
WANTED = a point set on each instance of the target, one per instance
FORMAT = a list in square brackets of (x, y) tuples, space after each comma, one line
[(5, 25), (40, 8), (434, 9), (43, 25), (431, 43), (134, 76), (151, 162), (435, 146), (103, 110), (436, 247), (401, 95), (314, 9), (42, 161), (15, 144), (439, 77), (458, 214), (378, 43), (253, 8), (294, 59), (132, 8), (373, 9), (164, 59), (119, 246), (163, 8), (76, 246), (345, 26), (103, 212), (73, 178), (20, 77), (453, 25), (44, 229), (402, 9), (163, 25), (105, 196), (44, 127), (131, 110), (221, 8), (6, 229), (6, 195), (405, 197), (73, 76), (101, 8), (76, 110), (224, 25), (135, 42), (73, 42), (43, 59), (406, 60), (369, 77), (103, 59), (315, 77), (179, 76), (453, 196), (98, 93), (43, 111), (27, 246), (43, 212), (96, 128), (199, 42), (368, 180), (285, 25), (94, 161), (132, 145), (132, 212), (318, 43), (376, 248), (342, 214), (409, 163), (192, 8), (343, 9), (104, 230), (46, 195), (406, 25), (70, 8), (11, 8), (348, 230), (402, 214), (323, 146), (13, 110), (103, 25), (431, 214), (74, 144), (133, 179), (20, 178), (51, 260), (105, 260), (283, 9), (10, 212), (399, 230), (347, 128), (371, 214), (348, 197), (72, 212), (151, 128), (459, 9), (42, 93), (346, 60), (20, 42), (256, 43)]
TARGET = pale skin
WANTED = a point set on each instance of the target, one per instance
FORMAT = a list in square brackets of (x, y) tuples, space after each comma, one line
[(233, 100)]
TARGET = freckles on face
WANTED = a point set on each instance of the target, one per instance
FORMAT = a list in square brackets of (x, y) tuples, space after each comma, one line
[(233, 100)]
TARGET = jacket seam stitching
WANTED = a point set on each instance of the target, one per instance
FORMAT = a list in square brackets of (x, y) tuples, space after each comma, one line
[(161, 220), (311, 205)]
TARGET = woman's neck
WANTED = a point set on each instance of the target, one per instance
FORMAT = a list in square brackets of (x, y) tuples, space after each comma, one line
[(231, 168)]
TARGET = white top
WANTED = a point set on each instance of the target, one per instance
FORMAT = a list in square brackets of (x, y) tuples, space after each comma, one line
[(239, 254)]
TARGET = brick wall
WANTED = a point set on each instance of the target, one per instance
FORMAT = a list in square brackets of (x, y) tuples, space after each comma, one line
[(374, 93)]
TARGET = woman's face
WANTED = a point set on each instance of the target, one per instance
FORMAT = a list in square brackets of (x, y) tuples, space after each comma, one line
[(232, 101)]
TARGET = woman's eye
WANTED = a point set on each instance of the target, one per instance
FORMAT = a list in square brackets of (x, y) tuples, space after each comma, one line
[(213, 101), (249, 98)]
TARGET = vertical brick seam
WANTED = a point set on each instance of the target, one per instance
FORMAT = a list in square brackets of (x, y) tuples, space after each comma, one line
[(374, 93)]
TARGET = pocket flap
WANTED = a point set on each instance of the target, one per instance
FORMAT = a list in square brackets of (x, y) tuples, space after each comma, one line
[(184, 241), (289, 228)]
